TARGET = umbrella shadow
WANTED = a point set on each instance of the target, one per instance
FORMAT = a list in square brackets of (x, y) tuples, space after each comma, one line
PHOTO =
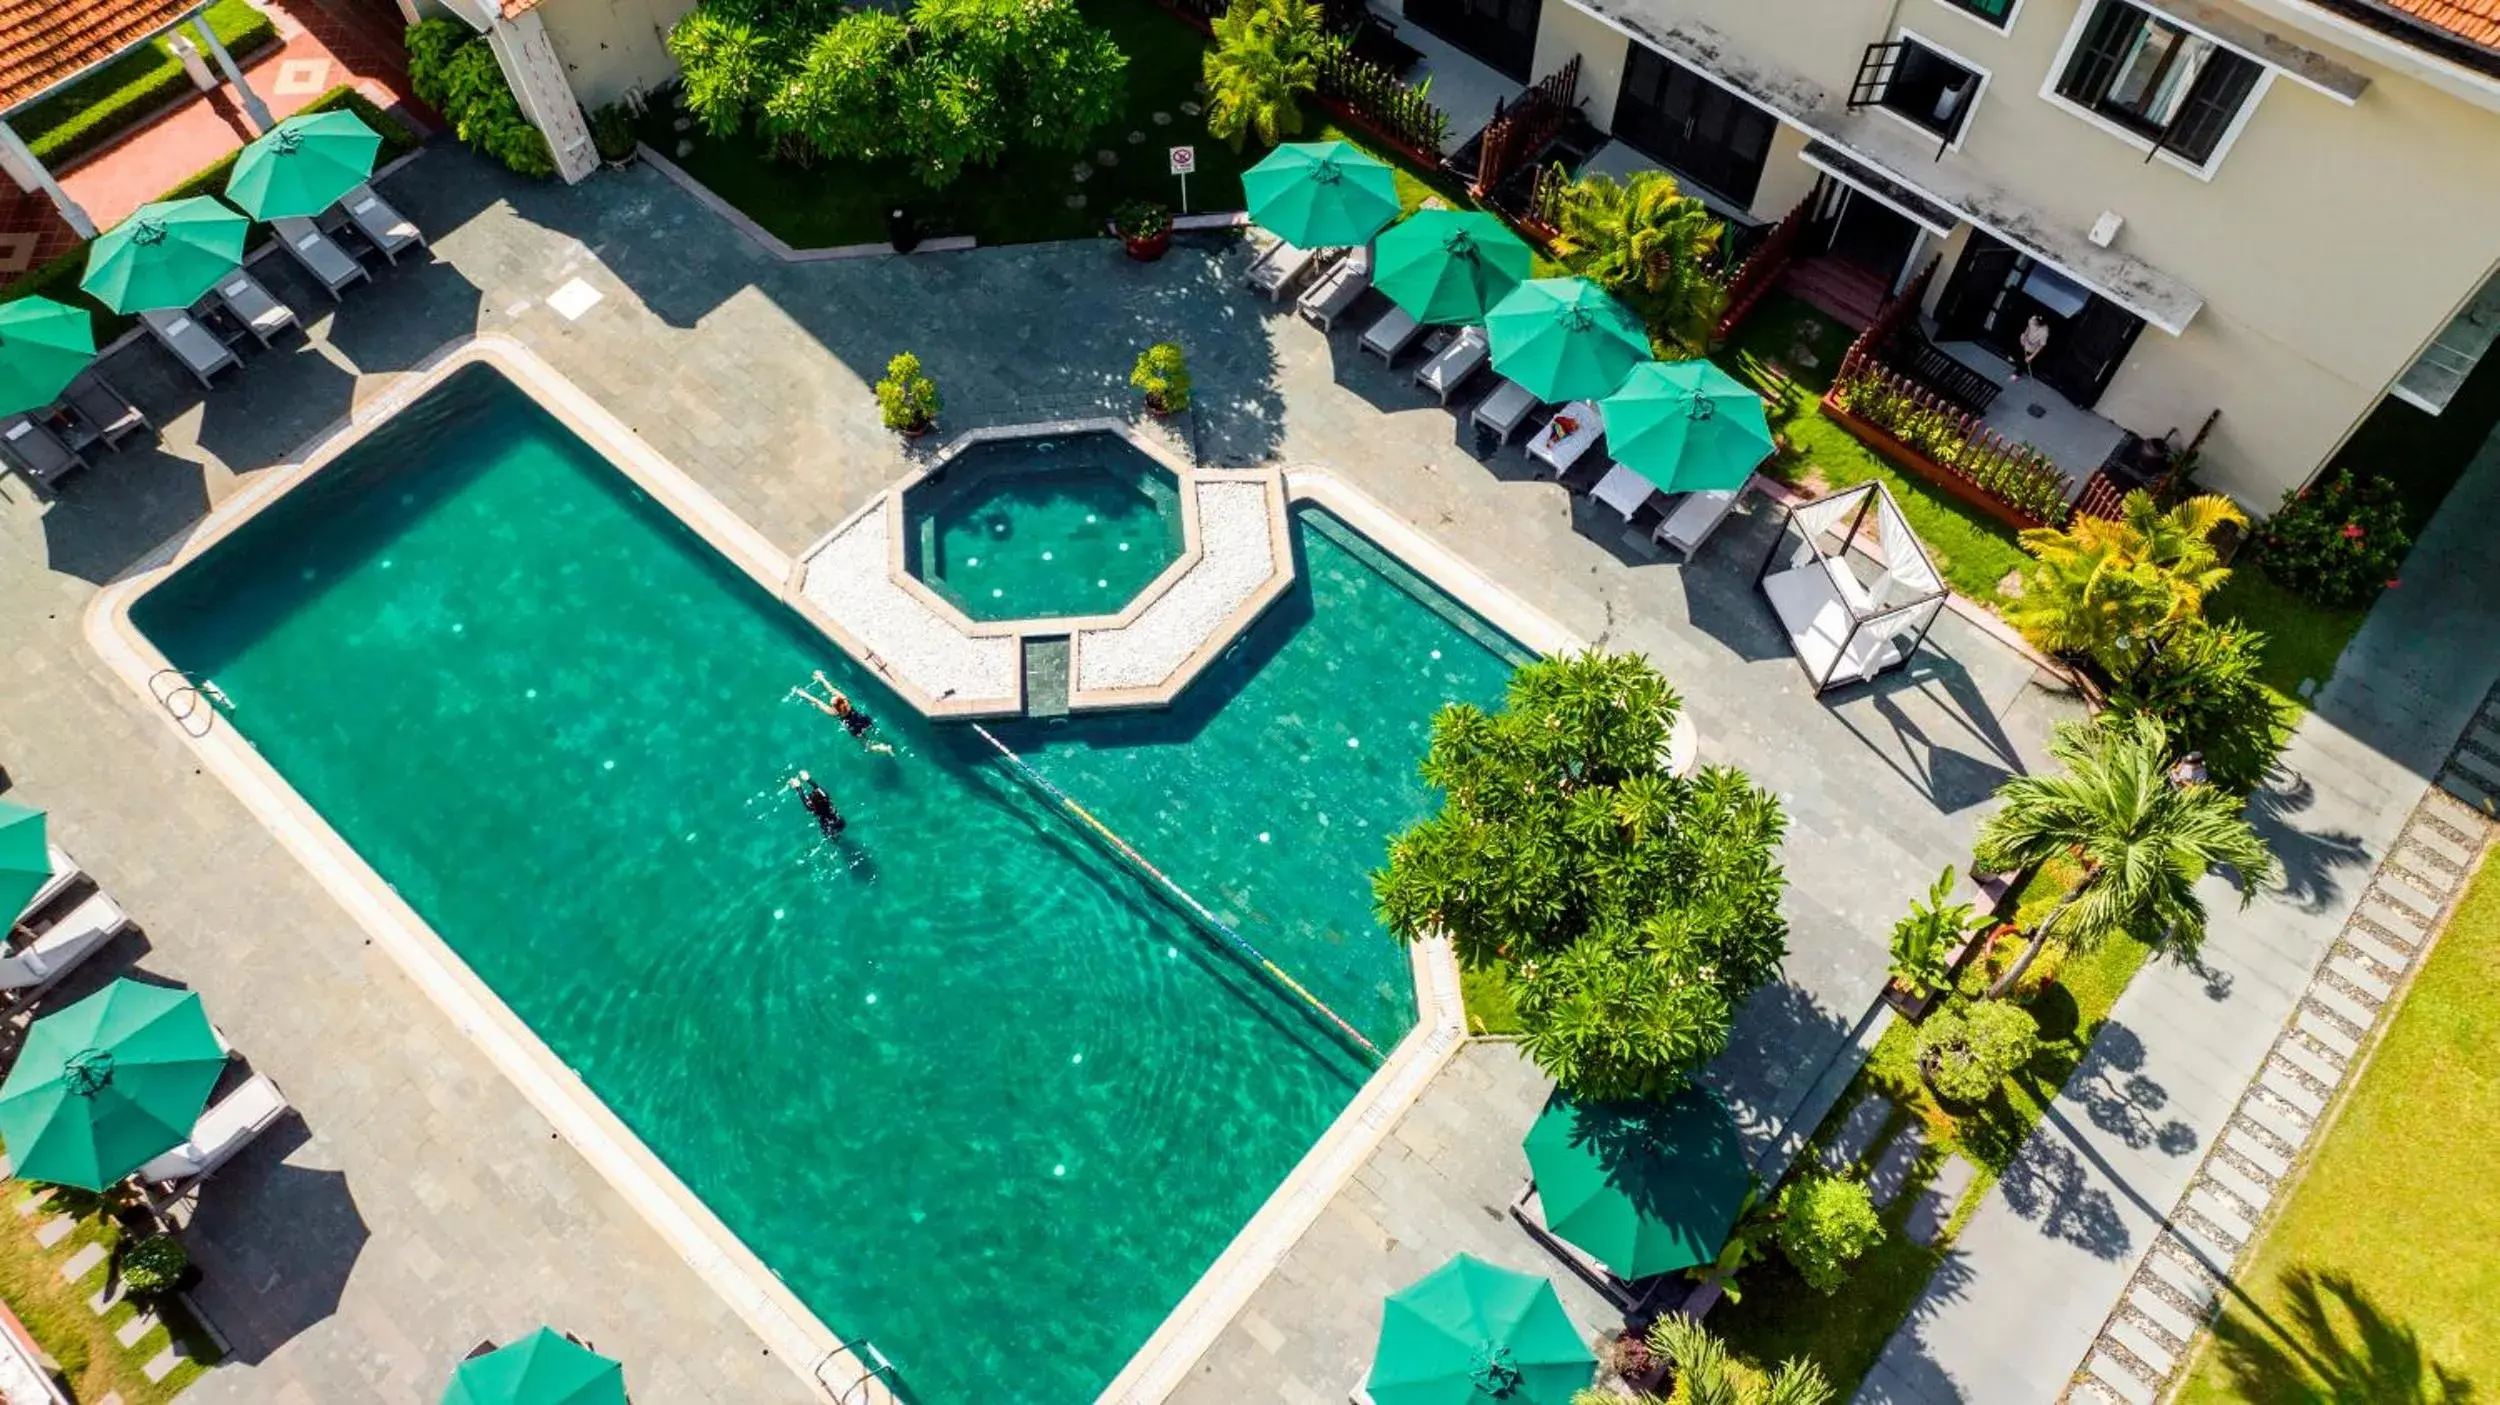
[(276, 1242)]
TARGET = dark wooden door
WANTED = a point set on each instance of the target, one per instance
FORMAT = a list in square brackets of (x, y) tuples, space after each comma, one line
[(2085, 353), (1977, 288), (1502, 33), (1693, 125)]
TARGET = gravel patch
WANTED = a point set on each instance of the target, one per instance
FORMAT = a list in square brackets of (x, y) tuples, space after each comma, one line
[(1237, 555), (848, 581)]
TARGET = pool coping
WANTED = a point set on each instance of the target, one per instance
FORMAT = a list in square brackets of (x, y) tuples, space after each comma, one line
[(788, 1328)]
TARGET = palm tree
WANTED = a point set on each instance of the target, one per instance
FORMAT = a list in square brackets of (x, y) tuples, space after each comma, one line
[(1261, 65), (2102, 587), (1706, 1373), (2143, 842), (1644, 236)]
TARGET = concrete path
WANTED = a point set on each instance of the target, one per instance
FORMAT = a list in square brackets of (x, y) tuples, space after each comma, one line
[(2033, 1279)]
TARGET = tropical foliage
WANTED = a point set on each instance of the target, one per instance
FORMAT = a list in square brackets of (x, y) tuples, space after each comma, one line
[(2101, 587), (1923, 941), (2142, 842), (454, 71), (948, 85), (1825, 1222), (2015, 474), (1631, 912), (1645, 238), (1966, 1052), (906, 398), (1162, 371), (2204, 683), (1264, 59), (1707, 1373), (1381, 100), (2336, 543)]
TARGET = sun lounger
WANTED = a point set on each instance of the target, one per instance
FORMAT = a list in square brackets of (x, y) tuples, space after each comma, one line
[(254, 306), (333, 267), (1567, 437), (1623, 490), (1278, 268), (56, 950), (1393, 333), (391, 232), (1692, 517), (64, 873), (1338, 289), (190, 343), (1633, 1299), (1505, 409), (228, 1126), (1450, 367), (38, 453), (103, 405)]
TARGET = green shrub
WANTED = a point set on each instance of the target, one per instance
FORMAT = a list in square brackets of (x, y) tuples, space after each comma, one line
[(1968, 1052), (101, 107), (1826, 1222), (907, 398), (2336, 543), (1922, 943), (453, 69), (1162, 371), (1140, 219), (2205, 683), (612, 131), (154, 1264)]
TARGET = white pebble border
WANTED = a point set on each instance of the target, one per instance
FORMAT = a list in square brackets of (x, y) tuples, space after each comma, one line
[(1236, 557), (848, 579)]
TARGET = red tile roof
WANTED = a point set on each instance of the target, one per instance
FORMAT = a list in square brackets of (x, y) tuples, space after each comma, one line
[(2474, 21), (513, 9), (45, 41)]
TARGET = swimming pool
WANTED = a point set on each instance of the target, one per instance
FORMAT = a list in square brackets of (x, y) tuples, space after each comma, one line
[(970, 1088), (1052, 525)]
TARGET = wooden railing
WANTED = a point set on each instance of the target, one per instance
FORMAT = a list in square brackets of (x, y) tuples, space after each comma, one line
[(1760, 272), (1888, 320), (2010, 480), (1378, 99), (1520, 130)]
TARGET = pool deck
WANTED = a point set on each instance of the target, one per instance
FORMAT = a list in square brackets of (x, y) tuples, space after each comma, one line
[(421, 1204)]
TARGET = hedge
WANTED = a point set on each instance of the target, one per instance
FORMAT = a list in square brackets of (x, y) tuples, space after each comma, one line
[(133, 88)]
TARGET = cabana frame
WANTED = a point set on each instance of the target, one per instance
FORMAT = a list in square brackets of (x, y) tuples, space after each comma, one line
[(1844, 628)]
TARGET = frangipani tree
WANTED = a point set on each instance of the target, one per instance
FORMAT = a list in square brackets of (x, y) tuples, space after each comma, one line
[(1632, 911)]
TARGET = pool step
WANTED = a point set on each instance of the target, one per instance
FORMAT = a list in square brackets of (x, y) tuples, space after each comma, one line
[(1046, 677)]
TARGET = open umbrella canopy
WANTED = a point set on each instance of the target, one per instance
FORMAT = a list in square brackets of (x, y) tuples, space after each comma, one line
[(25, 859), (1644, 1188), (1449, 265), (303, 165), (1473, 1334), (165, 255), (1565, 339), (43, 347), (1686, 426), (108, 1083), (540, 1369), (1321, 194)]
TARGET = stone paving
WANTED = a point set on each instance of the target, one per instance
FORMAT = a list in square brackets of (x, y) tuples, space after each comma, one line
[(421, 1206)]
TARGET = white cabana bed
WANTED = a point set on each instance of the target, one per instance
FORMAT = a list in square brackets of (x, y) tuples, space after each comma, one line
[(1852, 585)]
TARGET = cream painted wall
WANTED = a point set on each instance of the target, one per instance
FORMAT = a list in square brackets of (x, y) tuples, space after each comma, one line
[(1562, 31), (1786, 178), (610, 46)]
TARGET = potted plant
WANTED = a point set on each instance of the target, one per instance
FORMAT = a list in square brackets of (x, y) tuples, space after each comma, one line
[(1163, 373), (154, 1265), (1144, 229), (1924, 945), (612, 132), (907, 398)]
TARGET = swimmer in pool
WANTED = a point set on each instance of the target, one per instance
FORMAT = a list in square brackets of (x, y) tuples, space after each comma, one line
[(838, 706), (818, 804)]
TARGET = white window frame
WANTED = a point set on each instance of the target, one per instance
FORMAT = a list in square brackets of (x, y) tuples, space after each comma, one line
[(2230, 135), (1970, 109), (2011, 15)]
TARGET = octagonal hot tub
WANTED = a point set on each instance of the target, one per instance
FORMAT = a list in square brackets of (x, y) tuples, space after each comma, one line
[(1070, 525)]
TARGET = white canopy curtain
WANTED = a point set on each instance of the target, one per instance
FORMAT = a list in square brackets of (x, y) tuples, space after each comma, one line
[(1852, 585)]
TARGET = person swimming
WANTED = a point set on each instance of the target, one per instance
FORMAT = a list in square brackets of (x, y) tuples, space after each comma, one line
[(837, 705), (818, 804)]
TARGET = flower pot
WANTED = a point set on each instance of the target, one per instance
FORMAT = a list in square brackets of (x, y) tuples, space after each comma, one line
[(918, 431), (1147, 248)]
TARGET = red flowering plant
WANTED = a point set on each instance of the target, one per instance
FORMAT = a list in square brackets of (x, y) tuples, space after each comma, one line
[(2338, 542)]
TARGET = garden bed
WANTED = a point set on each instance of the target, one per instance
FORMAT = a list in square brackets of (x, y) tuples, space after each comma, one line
[(94, 1365), (99, 109), (1952, 484)]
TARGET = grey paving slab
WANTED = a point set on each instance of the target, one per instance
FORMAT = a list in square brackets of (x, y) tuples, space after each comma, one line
[(1891, 1171), (2241, 1186), (2147, 1348), (2176, 1272), (1936, 1202), (2048, 1253), (2121, 1380), (2162, 1313), (1857, 1131), (2259, 1152), (2309, 1061), (2377, 948)]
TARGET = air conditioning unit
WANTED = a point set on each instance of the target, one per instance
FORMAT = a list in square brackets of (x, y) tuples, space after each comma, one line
[(2106, 228)]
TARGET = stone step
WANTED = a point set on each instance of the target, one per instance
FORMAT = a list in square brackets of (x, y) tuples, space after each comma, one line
[(2360, 976), (88, 1259), (163, 1363), (2456, 814), (2222, 1215), (2091, 1392), (2163, 1313), (103, 1299), (2144, 1345), (2258, 1152), (2121, 1379), (2202, 1245), (2180, 1274), (2378, 948), (129, 1333), (2481, 769), (1857, 1131), (2436, 879), (2302, 1055), (1892, 1169), (2431, 840), (2343, 1006), (54, 1230), (2424, 906), (2288, 1126), (2386, 912), (1935, 1205), (2483, 800), (2283, 1084), (2334, 1036), (27, 1207), (2247, 1189)]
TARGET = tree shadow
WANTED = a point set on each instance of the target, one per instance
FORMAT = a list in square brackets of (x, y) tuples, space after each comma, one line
[(2120, 1100), (2048, 1186), (1775, 1072), (2330, 1343), (2313, 866)]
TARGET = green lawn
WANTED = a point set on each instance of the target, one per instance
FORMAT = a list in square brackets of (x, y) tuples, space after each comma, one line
[(2377, 1281), (93, 1364), (131, 89)]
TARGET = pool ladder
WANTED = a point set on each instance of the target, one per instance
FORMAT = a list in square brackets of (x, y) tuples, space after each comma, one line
[(868, 1365), (192, 702)]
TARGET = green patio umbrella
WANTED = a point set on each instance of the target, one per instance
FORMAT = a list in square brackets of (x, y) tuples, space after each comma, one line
[(107, 1084), (1644, 1188), (1320, 194), (539, 1369), (1448, 265), (43, 346), (166, 255), (303, 165), (25, 859), (1472, 1334), (1686, 426), (1565, 339)]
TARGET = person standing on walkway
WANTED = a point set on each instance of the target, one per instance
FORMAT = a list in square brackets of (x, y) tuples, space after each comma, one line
[(2034, 340)]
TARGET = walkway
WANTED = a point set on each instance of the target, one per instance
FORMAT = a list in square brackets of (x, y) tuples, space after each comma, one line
[(2035, 1276)]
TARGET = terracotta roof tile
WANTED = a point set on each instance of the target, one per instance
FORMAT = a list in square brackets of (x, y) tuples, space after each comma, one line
[(2474, 21), (513, 9), (44, 41)]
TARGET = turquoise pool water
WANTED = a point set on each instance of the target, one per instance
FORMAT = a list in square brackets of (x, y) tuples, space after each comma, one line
[(1066, 525), (967, 1085)]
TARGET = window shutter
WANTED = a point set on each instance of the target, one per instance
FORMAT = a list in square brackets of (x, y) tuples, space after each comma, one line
[(2220, 91), (1875, 73), (2100, 51)]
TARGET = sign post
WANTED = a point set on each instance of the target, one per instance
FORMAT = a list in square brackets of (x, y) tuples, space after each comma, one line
[(1184, 160)]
